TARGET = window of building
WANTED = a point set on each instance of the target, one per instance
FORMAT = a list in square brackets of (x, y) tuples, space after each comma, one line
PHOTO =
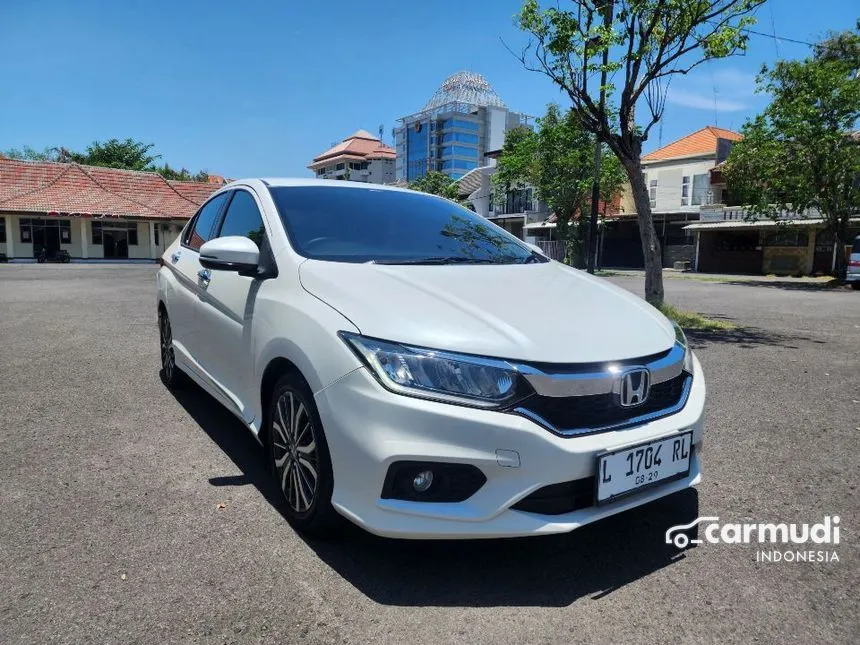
[(652, 192), (59, 230), (459, 136), (701, 186), (243, 218), (321, 171), (786, 237), (685, 191), (2, 230), (156, 228), (26, 231), (460, 151), (460, 123), (200, 229), (340, 166), (98, 229), (356, 165)]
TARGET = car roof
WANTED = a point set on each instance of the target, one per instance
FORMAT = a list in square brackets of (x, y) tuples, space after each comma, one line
[(273, 182)]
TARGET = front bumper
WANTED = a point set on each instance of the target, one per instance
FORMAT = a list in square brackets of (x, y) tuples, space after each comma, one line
[(368, 428)]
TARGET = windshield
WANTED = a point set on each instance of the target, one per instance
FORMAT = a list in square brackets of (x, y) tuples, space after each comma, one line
[(343, 224)]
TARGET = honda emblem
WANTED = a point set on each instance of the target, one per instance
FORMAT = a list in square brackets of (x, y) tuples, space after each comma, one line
[(633, 386)]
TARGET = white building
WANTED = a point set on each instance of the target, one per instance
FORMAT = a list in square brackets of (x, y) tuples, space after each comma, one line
[(359, 157), (88, 212)]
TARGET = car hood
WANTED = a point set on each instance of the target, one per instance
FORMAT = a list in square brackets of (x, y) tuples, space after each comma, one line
[(546, 312)]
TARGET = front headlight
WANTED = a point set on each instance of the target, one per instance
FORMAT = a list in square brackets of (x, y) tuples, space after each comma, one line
[(681, 339), (442, 376)]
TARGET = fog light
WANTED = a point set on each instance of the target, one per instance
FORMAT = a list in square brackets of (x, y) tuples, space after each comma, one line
[(423, 481)]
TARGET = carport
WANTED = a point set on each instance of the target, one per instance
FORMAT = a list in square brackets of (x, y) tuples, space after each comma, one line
[(783, 247)]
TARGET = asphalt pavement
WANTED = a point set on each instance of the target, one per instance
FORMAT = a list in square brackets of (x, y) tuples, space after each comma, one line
[(130, 515)]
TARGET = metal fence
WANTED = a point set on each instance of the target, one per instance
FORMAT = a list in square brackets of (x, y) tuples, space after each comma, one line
[(552, 248)]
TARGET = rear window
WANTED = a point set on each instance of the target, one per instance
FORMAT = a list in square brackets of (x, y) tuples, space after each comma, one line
[(856, 247), (343, 224)]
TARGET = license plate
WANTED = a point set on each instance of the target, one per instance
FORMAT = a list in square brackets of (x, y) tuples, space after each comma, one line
[(630, 469)]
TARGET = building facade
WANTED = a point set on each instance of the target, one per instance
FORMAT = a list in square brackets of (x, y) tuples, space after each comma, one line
[(359, 157), (680, 183), (89, 212), (463, 121)]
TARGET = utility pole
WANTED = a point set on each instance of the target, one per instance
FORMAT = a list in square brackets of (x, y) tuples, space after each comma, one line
[(595, 186)]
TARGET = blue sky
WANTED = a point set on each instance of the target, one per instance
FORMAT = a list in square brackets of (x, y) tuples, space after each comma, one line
[(259, 88)]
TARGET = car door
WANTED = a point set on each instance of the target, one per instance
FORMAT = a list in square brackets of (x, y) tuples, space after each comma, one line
[(226, 309), (184, 262)]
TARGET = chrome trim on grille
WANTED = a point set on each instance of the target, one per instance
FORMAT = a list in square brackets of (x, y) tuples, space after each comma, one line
[(589, 383), (632, 421)]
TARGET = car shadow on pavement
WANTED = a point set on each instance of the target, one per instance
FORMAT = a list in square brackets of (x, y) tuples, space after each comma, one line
[(552, 571)]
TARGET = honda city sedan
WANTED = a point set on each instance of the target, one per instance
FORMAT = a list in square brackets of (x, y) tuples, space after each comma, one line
[(414, 368)]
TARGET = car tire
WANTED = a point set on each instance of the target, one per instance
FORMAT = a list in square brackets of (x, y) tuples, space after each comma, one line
[(169, 373), (299, 458)]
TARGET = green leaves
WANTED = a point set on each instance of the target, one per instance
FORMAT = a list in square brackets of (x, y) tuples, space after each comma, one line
[(802, 152), (113, 153), (558, 162), (437, 183)]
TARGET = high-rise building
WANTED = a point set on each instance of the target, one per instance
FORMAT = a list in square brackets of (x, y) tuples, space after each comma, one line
[(359, 157), (463, 121)]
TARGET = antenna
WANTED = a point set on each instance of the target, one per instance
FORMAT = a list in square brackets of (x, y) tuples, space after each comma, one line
[(381, 133)]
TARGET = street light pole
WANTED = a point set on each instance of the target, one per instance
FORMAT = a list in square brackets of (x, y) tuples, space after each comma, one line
[(595, 186)]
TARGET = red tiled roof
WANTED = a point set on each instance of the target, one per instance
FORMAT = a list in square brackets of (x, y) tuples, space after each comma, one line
[(360, 144), (28, 186), (701, 142)]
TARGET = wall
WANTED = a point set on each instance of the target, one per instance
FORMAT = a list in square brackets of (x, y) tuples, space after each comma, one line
[(144, 249), (669, 176), (496, 125)]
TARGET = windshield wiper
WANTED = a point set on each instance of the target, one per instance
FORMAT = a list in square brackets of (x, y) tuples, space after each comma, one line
[(450, 259)]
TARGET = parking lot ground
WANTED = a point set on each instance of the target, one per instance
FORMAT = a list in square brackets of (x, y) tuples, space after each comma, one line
[(130, 515)]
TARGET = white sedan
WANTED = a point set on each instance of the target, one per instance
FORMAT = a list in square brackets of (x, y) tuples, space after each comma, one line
[(414, 368)]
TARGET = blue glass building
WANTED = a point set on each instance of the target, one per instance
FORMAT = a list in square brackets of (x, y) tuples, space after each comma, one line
[(463, 121)]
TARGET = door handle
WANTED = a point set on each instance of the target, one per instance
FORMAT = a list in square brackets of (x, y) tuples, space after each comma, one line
[(175, 257), (205, 276)]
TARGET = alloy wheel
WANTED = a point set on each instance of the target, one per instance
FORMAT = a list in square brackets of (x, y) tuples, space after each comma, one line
[(168, 361), (295, 452)]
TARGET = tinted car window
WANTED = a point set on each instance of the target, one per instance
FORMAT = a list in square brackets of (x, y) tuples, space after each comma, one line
[(201, 229), (856, 247), (387, 226), (243, 218)]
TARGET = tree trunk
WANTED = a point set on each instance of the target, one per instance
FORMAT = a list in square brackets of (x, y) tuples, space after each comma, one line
[(650, 241), (840, 240)]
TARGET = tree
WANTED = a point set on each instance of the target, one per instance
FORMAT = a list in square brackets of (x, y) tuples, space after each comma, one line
[(437, 183), (31, 154), (183, 174), (643, 43), (803, 152), (557, 161), (128, 154)]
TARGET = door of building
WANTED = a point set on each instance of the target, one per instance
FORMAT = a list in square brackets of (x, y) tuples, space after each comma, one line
[(45, 238), (115, 243)]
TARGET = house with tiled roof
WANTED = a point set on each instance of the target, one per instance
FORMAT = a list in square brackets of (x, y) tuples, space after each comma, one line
[(359, 157), (91, 212), (680, 183)]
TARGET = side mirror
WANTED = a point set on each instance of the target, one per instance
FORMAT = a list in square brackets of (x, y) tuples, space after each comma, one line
[(231, 253)]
